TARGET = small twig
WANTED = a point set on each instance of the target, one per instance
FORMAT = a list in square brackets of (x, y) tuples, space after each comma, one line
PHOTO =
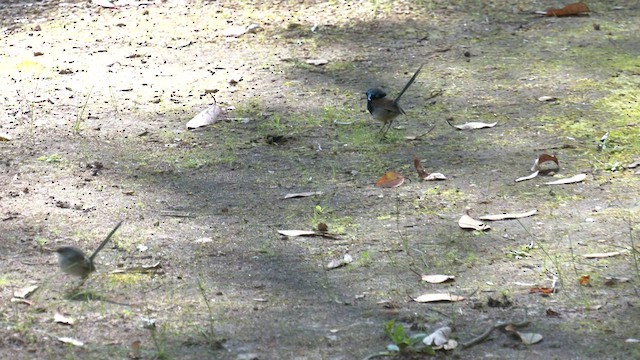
[(488, 332)]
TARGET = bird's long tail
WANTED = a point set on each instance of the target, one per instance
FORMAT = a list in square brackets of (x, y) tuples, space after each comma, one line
[(105, 241), (413, 78)]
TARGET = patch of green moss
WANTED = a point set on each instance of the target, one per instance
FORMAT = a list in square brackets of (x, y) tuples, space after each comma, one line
[(127, 278)]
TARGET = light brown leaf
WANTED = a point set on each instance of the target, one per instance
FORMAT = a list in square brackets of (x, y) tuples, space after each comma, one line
[(571, 180), (25, 292), (474, 125), (467, 222), (529, 338), (61, 319)]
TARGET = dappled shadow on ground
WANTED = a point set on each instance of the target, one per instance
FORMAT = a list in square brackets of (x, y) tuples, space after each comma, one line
[(206, 205)]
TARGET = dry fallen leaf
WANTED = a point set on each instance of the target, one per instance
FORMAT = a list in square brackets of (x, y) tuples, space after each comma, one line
[(541, 290), (25, 292), (529, 338), (571, 180), (295, 233), (474, 125), (467, 222), (104, 3), (438, 337), (317, 62), (206, 117), (438, 297), (528, 177), (603, 255), (302, 194), (68, 340), (437, 279), (236, 31), (5, 137), (546, 164), (574, 9), (585, 280), (334, 264), (508, 216), (390, 179), (435, 176), (61, 319)]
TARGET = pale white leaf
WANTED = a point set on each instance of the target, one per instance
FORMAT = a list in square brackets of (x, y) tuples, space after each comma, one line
[(467, 222), (317, 62), (68, 340), (59, 318), (496, 217), (296, 232), (206, 117), (235, 31), (528, 177), (204, 240), (474, 125), (632, 340), (529, 338), (103, 3), (435, 176), (438, 337), (437, 297), (5, 137), (450, 345), (437, 279), (602, 255), (571, 180), (333, 264), (302, 194), (547, 98), (25, 292)]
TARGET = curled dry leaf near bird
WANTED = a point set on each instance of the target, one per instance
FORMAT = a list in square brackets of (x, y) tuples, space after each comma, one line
[(74, 262), (385, 109)]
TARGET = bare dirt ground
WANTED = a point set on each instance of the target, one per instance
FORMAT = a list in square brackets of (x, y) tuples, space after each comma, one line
[(94, 107)]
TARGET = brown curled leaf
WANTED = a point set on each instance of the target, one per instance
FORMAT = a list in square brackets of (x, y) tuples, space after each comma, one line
[(574, 9)]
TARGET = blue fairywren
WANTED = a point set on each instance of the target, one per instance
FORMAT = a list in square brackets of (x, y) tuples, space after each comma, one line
[(74, 262), (385, 109)]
